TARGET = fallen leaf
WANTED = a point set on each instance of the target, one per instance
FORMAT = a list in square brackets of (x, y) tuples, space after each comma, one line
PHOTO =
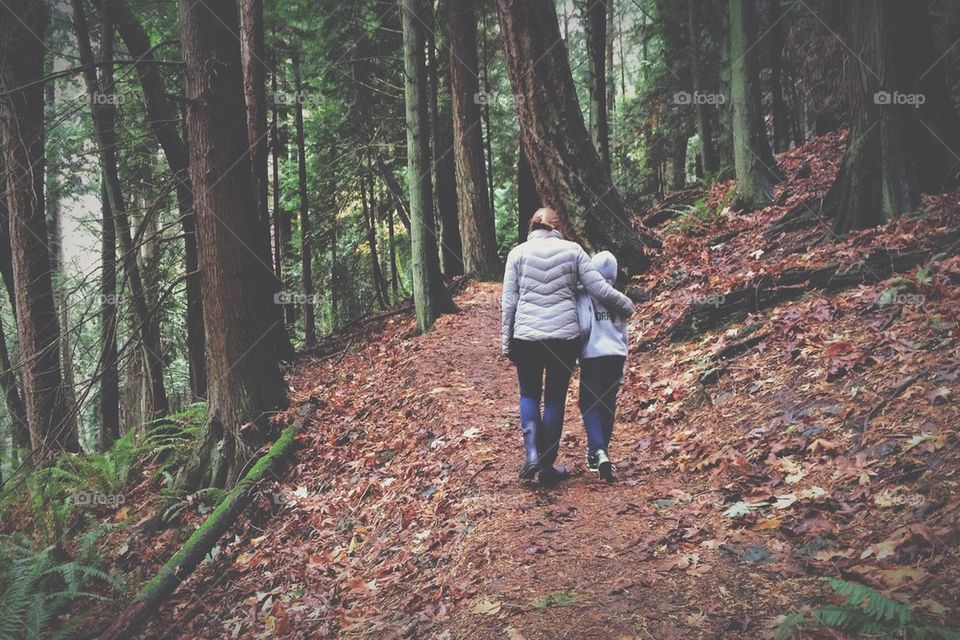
[(485, 606), (940, 393)]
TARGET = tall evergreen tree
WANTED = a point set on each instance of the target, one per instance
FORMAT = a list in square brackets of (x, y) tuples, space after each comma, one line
[(477, 227), (430, 296), (569, 174), (244, 377), (753, 160), (162, 118), (100, 91), (904, 132), (23, 25), (595, 23)]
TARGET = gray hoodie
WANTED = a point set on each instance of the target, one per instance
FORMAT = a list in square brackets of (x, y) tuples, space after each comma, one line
[(603, 330), (540, 287)]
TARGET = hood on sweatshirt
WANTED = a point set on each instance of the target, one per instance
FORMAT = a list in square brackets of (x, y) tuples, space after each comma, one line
[(606, 263)]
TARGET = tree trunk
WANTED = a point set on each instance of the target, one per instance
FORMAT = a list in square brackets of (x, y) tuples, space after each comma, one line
[(306, 248), (109, 400), (708, 153), (610, 72), (781, 117), (23, 25), (396, 192), (896, 148), (254, 92), (441, 137), (162, 116), (274, 148), (8, 377), (254, 66), (566, 167), (245, 381), (595, 26), (527, 199), (431, 297), (477, 226), (16, 411), (103, 113), (6, 251), (725, 108), (60, 289), (678, 162), (394, 271), (753, 159), (282, 220), (370, 223), (485, 112)]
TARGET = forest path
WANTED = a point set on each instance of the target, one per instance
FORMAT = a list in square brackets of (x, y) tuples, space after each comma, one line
[(574, 560), (404, 517)]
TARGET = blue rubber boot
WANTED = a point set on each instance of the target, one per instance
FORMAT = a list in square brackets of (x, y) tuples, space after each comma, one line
[(531, 457)]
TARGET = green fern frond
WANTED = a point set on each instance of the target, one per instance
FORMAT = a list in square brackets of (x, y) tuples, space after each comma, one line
[(791, 626)]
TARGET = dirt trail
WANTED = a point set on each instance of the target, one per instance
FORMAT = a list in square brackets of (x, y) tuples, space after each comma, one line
[(460, 549), (803, 455)]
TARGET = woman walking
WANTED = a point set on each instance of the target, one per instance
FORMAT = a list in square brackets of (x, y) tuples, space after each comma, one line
[(540, 332)]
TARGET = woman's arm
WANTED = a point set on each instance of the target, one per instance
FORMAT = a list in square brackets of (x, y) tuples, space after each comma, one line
[(508, 303), (597, 287)]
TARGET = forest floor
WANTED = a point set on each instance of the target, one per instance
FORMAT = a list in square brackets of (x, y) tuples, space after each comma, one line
[(826, 446)]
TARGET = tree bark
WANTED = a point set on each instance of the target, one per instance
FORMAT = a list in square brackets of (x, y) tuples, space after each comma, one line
[(109, 401), (16, 411), (23, 25), (477, 226), (162, 117), (708, 153), (781, 116), (306, 243), (595, 25), (282, 220), (252, 56), (103, 114), (895, 149), (610, 72), (527, 199), (274, 148), (441, 140), (394, 270), (253, 64), (370, 224), (430, 296), (566, 167), (396, 192), (678, 161), (20, 432), (485, 112), (245, 381), (6, 251), (60, 289), (753, 160)]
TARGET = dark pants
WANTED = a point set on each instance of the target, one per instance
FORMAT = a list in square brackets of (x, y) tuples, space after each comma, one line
[(556, 359), (599, 382)]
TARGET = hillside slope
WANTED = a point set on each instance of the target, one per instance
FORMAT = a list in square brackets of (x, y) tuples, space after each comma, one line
[(816, 436)]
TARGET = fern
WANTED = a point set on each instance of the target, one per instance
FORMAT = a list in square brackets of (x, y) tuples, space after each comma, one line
[(791, 627), (35, 589), (865, 611)]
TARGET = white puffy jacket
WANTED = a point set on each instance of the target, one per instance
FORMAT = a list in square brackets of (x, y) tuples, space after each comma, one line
[(540, 286)]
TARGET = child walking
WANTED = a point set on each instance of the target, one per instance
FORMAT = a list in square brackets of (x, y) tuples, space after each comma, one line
[(602, 357)]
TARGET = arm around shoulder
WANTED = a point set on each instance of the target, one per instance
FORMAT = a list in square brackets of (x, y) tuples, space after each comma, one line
[(599, 288)]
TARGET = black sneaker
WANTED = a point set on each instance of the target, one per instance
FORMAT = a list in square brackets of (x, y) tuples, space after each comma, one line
[(592, 462), (604, 466)]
